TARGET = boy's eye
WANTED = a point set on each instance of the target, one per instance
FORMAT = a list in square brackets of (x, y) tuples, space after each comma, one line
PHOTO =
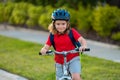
[(58, 23), (63, 23)]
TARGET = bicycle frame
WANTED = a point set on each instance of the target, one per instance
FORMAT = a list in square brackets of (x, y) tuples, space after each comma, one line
[(66, 75)]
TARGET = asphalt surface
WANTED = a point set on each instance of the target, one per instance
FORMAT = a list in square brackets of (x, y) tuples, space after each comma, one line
[(98, 49), (9, 76)]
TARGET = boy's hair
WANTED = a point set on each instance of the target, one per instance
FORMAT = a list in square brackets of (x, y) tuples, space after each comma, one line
[(53, 30)]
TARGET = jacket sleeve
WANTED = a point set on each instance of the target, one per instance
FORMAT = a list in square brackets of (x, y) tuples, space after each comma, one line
[(48, 41)]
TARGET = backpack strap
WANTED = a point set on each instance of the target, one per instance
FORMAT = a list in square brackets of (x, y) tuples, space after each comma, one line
[(52, 40), (75, 43)]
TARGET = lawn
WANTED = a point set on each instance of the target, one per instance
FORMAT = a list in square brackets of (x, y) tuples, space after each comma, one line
[(21, 57)]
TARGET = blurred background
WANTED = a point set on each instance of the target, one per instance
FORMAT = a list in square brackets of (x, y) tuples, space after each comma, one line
[(94, 19)]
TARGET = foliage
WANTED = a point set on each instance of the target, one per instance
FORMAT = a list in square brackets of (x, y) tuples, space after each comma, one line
[(19, 14), (34, 13), (18, 17), (45, 18), (8, 11), (73, 17), (105, 19), (84, 18), (59, 3), (1, 13), (116, 36)]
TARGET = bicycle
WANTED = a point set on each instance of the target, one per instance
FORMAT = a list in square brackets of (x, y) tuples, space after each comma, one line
[(66, 73)]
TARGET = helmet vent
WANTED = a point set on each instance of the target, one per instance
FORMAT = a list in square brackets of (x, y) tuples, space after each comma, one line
[(60, 13), (56, 14), (64, 14)]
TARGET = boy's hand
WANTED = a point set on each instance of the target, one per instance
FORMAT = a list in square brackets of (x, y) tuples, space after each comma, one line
[(43, 51), (82, 48)]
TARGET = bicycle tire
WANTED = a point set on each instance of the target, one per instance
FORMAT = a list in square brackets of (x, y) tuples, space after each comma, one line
[(66, 79)]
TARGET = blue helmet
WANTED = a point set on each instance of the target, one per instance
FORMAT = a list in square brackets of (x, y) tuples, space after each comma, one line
[(60, 14)]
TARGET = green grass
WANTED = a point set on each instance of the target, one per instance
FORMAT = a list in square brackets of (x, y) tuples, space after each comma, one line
[(22, 58)]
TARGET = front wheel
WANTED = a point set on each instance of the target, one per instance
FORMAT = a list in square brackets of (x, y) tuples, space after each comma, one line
[(68, 78)]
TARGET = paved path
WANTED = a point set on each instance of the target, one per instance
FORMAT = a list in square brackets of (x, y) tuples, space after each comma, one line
[(100, 50), (8, 76)]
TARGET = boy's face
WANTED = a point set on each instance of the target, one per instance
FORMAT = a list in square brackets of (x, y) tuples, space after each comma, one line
[(61, 25)]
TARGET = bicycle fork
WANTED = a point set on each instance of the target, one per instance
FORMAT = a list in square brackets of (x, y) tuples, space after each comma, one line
[(66, 75)]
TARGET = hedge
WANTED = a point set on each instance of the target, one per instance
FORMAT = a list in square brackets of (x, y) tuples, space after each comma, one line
[(105, 20)]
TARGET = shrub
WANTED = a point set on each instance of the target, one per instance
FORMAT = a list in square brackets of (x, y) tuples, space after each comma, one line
[(34, 14), (105, 19), (8, 11), (73, 17), (18, 17), (45, 18), (84, 18), (116, 36), (19, 14), (1, 13)]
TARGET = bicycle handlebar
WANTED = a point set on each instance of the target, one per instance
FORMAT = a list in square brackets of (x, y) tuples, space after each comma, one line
[(70, 51)]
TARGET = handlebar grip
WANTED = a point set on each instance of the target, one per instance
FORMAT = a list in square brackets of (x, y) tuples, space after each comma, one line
[(49, 51), (40, 53), (86, 49)]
